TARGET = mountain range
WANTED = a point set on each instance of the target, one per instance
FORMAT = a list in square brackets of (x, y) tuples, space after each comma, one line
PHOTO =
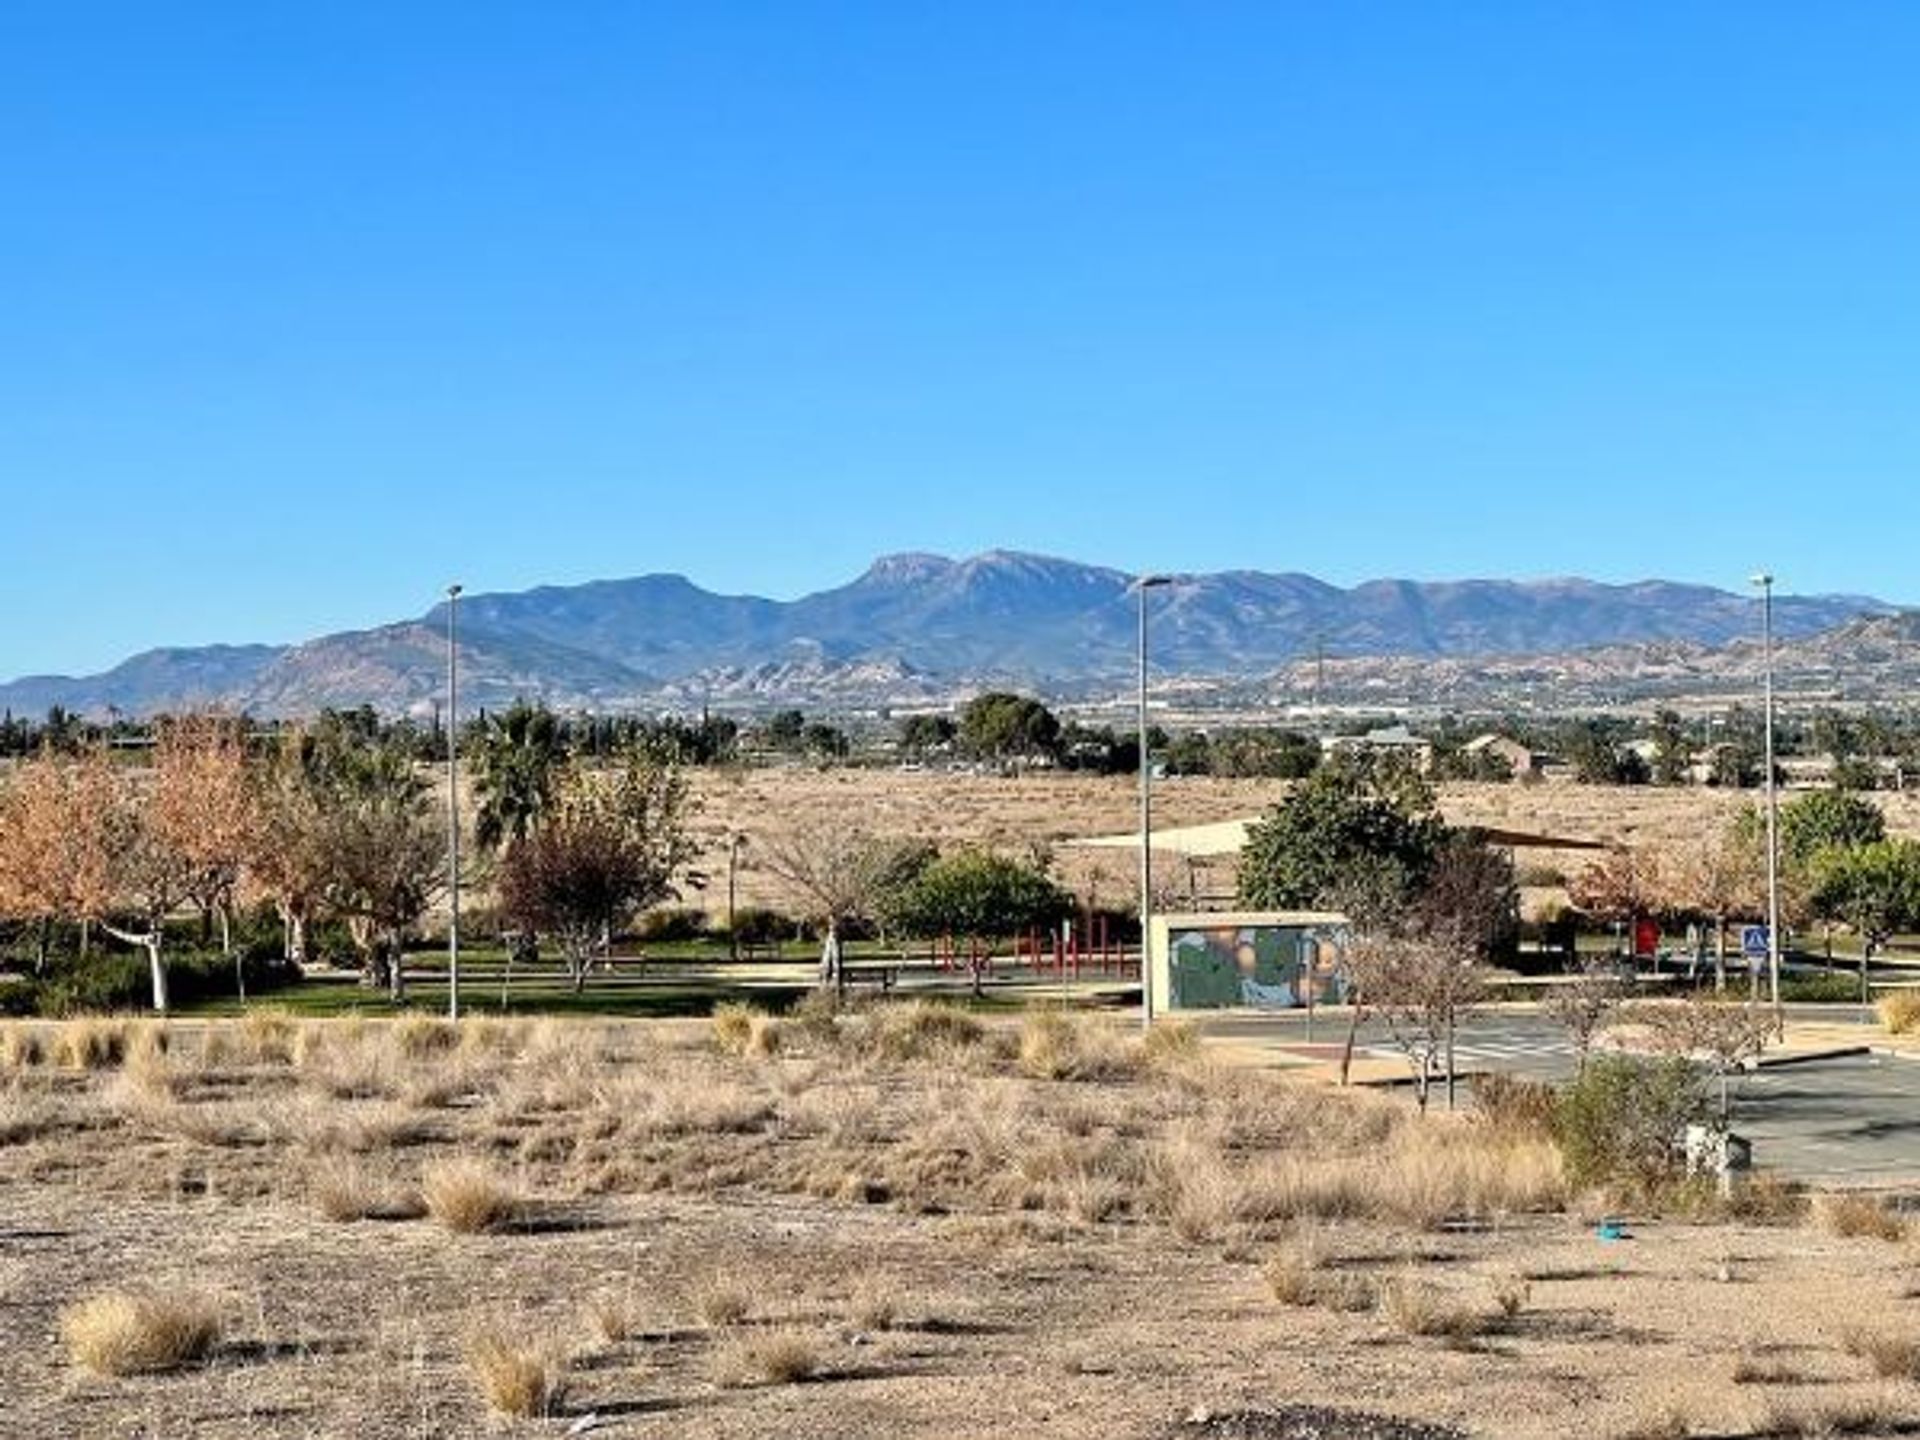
[(920, 628)]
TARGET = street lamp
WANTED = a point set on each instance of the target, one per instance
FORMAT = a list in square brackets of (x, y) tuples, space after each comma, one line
[(1142, 585), (453, 801), (1764, 580)]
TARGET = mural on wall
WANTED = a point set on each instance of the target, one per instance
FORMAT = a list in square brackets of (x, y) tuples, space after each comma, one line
[(1260, 967)]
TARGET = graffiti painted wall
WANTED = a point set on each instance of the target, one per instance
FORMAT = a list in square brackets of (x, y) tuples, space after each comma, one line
[(1247, 962)]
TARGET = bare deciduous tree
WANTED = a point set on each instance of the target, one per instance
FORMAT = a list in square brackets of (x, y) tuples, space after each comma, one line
[(1724, 1035), (840, 871), (1419, 986), (1587, 1001)]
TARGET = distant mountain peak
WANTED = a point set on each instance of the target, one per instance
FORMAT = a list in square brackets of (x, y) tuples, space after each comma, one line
[(919, 625), (908, 567)]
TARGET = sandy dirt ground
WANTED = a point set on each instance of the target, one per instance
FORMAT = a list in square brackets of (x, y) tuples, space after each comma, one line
[(958, 1246)]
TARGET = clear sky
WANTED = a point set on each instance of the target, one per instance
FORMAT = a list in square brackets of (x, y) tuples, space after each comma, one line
[(307, 308)]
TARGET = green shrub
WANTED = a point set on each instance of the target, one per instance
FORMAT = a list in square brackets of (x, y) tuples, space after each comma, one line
[(672, 924), (755, 925), (1621, 1118), (1820, 989)]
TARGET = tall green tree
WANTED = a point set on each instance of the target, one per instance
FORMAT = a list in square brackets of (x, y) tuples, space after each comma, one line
[(1873, 889), (977, 896), (1003, 726), (1826, 820), (1360, 833)]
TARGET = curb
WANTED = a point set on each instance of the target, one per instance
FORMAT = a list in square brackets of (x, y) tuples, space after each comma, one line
[(1808, 1057)]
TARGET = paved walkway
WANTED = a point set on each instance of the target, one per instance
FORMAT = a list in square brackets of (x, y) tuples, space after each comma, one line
[(1836, 1102)]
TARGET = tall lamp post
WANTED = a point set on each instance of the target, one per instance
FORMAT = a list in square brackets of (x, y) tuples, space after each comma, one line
[(1765, 581), (453, 801), (1142, 585)]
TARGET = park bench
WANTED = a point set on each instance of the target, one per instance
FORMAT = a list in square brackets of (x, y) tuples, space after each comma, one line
[(881, 974)]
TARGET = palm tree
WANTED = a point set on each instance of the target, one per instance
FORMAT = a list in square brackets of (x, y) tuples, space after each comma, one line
[(515, 765)]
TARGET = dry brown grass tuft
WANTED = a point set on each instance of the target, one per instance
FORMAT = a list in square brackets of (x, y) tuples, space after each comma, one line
[(925, 1030), (90, 1044), (21, 1047), (139, 1332), (875, 1305), (732, 1023), (612, 1317), (494, 1035), (767, 1357), (1416, 1307), (1299, 1276), (744, 1030), (469, 1198), (1819, 1420), (1758, 1368), (1172, 1043), (514, 1377), (343, 1190), (420, 1037), (1892, 1355), (720, 1302), (263, 1037), (1056, 1045), (1852, 1216), (1900, 1011)]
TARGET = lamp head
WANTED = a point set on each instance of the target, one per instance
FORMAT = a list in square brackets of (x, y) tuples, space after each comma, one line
[(453, 591), (1764, 579)]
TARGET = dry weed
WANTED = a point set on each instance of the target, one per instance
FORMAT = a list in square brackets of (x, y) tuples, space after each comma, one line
[(344, 1190), (420, 1037), (1416, 1307), (875, 1306), (767, 1357), (1820, 1419), (1892, 1355), (139, 1332), (21, 1047), (1854, 1216), (720, 1302), (1056, 1045), (514, 1377), (90, 1044), (467, 1197), (918, 1030), (1900, 1011), (1758, 1368), (612, 1317)]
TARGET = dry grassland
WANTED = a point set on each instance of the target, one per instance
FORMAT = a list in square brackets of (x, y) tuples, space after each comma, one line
[(1017, 812), (898, 1222)]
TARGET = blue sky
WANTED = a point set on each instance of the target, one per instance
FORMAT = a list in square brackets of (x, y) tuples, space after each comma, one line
[(305, 309)]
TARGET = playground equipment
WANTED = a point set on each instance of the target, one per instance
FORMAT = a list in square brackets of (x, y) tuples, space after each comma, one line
[(1064, 954)]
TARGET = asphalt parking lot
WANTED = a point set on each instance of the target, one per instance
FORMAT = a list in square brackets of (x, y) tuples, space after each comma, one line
[(1843, 1119)]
